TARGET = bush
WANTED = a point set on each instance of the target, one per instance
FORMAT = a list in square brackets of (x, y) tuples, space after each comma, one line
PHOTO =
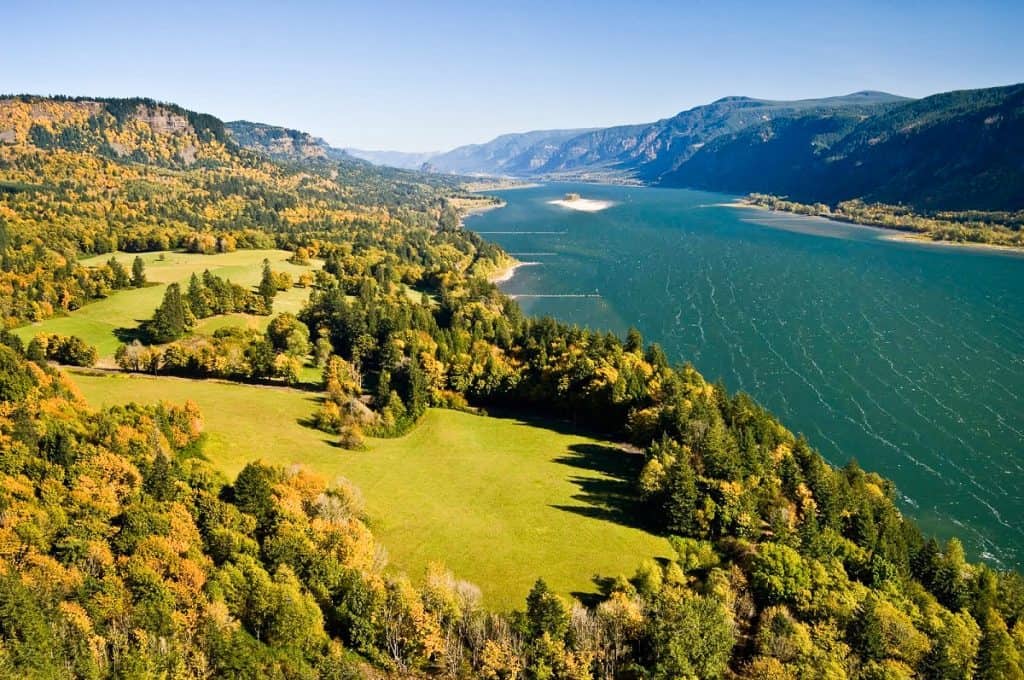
[(70, 350), (351, 438)]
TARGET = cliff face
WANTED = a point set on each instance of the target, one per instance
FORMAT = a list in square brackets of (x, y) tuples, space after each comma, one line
[(279, 142), (134, 129)]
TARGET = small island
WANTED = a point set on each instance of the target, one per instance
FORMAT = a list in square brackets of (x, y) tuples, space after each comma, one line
[(574, 201)]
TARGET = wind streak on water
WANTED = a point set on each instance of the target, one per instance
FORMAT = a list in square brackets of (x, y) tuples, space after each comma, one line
[(909, 358)]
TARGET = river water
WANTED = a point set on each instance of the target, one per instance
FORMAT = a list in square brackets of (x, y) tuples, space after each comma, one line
[(908, 357)]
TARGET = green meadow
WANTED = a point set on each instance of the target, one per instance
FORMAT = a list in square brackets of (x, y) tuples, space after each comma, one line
[(98, 323), (501, 501)]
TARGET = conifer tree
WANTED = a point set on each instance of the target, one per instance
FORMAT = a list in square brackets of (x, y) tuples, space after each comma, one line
[(138, 272), (197, 298), (268, 287), (172, 318)]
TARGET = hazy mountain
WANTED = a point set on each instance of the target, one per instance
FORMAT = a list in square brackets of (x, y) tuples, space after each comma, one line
[(408, 160), (644, 151), (520, 153), (957, 150)]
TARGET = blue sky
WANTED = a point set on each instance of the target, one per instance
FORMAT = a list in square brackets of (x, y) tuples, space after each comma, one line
[(433, 75)]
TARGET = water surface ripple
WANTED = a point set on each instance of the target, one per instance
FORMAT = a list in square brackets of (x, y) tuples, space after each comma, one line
[(908, 357)]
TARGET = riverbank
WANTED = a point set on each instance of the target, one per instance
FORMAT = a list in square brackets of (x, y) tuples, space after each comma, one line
[(497, 185), (999, 231), (886, 232), (506, 273)]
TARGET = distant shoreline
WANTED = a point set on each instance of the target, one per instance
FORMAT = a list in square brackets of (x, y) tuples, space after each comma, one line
[(479, 210), (892, 234), (497, 185)]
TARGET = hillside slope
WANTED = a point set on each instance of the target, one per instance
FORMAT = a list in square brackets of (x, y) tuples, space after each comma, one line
[(956, 151), (279, 142), (512, 154), (644, 151), (951, 151)]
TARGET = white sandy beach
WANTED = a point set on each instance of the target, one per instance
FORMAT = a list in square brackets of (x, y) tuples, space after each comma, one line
[(507, 274), (583, 204)]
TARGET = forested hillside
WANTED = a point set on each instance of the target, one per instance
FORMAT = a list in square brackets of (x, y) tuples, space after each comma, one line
[(280, 143), (83, 177), (951, 151), (122, 554)]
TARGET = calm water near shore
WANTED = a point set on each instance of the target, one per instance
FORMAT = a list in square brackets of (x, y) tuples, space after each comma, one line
[(907, 356)]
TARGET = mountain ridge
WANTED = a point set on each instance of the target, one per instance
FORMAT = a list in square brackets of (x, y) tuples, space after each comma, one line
[(955, 150)]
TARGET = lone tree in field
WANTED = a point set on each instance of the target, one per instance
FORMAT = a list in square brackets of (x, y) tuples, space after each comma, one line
[(138, 272), (172, 318), (268, 286)]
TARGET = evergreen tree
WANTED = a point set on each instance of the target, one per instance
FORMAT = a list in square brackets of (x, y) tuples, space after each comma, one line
[(681, 502), (197, 298), (172, 318), (634, 341), (719, 450), (418, 397), (999, 658), (138, 272), (383, 388), (268, 286), (545, 612), (159, 478), (121, 279)]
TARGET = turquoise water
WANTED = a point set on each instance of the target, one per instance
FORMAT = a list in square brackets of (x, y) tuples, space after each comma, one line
[(908, 357)]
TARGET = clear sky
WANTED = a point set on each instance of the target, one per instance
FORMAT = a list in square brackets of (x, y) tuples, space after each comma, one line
[(420, 76)]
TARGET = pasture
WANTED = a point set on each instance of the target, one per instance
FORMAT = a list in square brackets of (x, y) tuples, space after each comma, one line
[(100, 322), (501, 501)]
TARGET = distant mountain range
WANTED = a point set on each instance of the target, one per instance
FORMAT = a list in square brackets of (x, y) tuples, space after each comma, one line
[(409, 160), (956, 150)]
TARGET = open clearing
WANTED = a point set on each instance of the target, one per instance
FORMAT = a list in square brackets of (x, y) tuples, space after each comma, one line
[(97, 322), (501, 500)]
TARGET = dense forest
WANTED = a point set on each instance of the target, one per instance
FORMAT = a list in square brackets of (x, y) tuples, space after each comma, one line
[(124, 554)]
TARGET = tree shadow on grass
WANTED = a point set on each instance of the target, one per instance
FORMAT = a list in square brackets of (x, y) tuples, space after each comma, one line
[(610, 495), (310, 420), (129, 335), (592, 598)]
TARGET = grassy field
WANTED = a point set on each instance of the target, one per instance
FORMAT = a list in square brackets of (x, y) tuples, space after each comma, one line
[(97, 322), (500, 501)]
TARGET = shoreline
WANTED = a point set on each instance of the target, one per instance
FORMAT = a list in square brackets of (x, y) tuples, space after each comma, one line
[(504, 275), (891, 234), (900, 236), (484, 186), (478, 210)]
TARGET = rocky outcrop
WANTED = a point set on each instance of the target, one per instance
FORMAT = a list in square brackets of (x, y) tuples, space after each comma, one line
[(162, 120)]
